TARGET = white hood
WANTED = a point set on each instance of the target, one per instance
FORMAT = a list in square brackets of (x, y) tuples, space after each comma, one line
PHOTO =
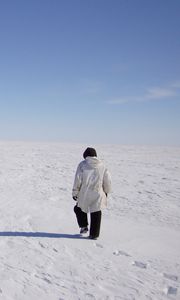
[(93, 161)]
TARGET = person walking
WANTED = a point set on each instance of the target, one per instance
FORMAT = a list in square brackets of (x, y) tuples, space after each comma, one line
[(92, 185)]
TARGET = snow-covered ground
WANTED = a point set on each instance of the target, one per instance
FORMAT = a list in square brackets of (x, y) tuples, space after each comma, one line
[(42, 255)]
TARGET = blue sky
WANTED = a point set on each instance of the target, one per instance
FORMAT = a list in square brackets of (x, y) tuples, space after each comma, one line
[(92, 71)]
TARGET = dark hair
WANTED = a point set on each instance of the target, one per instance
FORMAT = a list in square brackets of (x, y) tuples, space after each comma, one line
[(89, 152)]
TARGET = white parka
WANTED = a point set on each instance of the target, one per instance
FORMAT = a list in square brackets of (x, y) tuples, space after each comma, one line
[(92, 183)]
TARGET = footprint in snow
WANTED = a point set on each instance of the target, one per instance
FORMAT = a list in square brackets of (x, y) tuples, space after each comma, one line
[(47, 280), (170, 276), (170, 290), (139, 264), (89, 297), (120, 252), (98, 245), (42, 246), (55, 250)]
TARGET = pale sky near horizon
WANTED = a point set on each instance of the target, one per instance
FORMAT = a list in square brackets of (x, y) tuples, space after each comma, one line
[(92, 71)]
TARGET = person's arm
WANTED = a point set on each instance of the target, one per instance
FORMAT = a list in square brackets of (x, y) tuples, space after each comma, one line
[(107, 182), (77, 183)]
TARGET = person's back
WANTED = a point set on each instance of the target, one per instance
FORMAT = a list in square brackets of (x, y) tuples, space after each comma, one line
[(92, 184), (91, 196)]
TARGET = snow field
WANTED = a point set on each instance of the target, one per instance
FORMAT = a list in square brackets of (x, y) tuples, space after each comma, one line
[(43, 256)]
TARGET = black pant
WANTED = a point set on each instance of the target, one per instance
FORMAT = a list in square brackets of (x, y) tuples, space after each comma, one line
[(83, 220)]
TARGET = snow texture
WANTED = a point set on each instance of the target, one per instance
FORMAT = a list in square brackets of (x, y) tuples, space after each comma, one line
[(42, 254)]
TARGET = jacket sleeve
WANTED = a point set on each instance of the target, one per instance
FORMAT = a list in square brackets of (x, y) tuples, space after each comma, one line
[(106, 182), (77, 182)]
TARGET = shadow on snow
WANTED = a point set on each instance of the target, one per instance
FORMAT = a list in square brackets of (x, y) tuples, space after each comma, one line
[(41, 234)]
